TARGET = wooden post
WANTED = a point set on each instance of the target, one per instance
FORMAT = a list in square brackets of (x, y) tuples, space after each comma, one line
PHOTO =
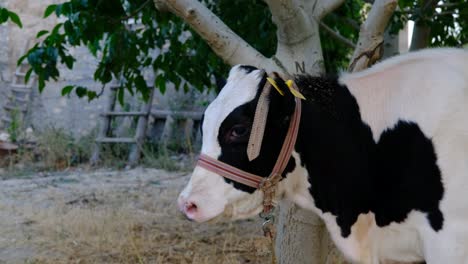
[(19, 99), (188, 134), (104, 128), (135, 152), (167, 131)]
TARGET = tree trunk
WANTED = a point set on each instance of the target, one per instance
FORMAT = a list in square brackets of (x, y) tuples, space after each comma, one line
[(421, 37), (391, 45), (371, 36), (301, 235)]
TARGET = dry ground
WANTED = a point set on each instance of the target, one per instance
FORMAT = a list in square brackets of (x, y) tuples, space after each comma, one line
[(114, 217)]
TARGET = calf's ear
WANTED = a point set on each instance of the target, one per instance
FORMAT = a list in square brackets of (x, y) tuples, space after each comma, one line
[(282, 102), (220, 83)]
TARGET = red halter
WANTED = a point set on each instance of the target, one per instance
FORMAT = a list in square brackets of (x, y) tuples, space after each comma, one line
[(267, 185), (250, 179)]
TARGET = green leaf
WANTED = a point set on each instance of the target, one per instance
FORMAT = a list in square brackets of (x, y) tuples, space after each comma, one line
[(56, 29), (81, 91), (4, 15), (160, 83), (84, 3), (68, 60), (65, 8), (21, 59), (67, 90), (15, 19), (49, 10), (120, 95), (28, 75), (91, 95), (140, 83), (68, 27), (41, 83), (41, 33)]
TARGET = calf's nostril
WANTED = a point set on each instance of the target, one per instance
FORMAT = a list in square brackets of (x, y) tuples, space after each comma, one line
[(190, 207)]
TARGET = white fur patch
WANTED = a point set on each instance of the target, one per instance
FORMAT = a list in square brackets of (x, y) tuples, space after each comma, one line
[(430, 88), (240, 88)]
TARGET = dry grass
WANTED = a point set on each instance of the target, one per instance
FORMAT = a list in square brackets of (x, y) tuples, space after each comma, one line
[(108, 235), (131, 220)]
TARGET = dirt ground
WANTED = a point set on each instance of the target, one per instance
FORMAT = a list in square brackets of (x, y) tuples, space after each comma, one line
[(109, 216)]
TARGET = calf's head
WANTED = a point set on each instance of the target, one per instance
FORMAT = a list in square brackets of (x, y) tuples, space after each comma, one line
[(226, 130)]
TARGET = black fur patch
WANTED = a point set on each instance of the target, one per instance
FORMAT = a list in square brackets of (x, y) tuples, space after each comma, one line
[(409, 178), (351, 174), (248, 69)]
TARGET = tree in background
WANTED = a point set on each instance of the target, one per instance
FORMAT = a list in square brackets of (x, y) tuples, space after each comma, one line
[(437, 23), (124, 35), (105, 27), (197, 41)]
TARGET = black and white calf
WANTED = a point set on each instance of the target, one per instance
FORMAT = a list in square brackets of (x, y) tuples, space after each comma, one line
[(381, 156)]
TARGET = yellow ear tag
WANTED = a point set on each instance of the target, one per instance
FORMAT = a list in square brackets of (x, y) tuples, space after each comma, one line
[(273, 83), (295, 92)]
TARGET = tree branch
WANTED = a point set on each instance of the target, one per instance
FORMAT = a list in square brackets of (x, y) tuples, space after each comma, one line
[(421, 37), (348, 20), (337, 35), (444, 13), (134, 13), (370, 43), (224, 42), (448, 5), (298, 49), (326, 6), (292, 22)]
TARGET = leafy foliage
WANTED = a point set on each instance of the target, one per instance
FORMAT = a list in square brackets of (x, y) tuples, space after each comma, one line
[(6, 14), (254, 25), (447, 19), (127, 36), (345, 20)]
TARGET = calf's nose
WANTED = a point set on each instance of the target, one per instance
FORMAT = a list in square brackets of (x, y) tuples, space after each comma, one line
[(188, 207)]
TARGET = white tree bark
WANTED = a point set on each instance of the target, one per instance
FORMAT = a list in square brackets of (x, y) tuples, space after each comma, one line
[(224, 42), (301, 235), (371, 36), (298, 47)]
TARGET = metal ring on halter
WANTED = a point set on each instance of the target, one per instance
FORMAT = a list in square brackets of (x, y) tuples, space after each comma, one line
[(268, 224), (268, 216)]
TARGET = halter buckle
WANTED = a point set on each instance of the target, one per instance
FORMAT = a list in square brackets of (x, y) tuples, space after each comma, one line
[(268, 225)]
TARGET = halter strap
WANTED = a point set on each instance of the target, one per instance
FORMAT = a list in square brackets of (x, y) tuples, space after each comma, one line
[(250, 179)]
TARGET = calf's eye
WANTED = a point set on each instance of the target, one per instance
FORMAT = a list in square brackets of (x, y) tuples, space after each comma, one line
[(239, 131)]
